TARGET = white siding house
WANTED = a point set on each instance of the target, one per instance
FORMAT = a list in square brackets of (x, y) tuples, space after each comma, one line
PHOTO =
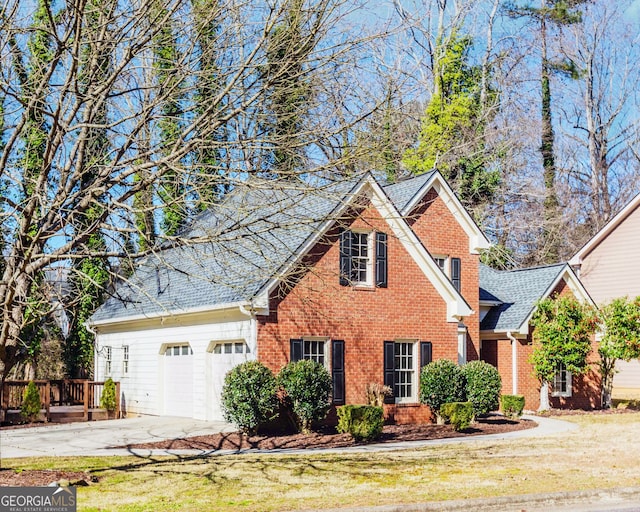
[(172, 367)]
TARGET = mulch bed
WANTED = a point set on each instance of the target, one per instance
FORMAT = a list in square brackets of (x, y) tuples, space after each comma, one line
[(329, 438), (39, 478)]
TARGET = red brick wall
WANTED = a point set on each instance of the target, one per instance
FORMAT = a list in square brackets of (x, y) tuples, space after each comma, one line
[(585, 388), (441, 234), (409, 308)]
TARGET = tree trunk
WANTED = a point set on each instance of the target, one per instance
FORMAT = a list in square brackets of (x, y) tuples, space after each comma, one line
[(544, 397)]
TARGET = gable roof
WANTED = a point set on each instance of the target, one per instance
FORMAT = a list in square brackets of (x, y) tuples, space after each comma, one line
[(606, 231), (406, 194), (519, 291), (238, 251)]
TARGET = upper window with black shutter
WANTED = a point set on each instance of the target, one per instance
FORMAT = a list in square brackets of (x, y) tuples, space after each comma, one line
[(363, 259)]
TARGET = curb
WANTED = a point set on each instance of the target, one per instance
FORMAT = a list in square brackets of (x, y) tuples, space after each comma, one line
[(530, 502)]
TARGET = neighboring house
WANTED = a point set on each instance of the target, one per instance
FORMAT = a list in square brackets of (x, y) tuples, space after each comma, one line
[(603, 265), (372, 281), (507, 303)]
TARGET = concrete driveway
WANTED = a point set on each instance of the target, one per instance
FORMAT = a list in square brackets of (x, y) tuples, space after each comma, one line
[(105, 437), (100, 437)]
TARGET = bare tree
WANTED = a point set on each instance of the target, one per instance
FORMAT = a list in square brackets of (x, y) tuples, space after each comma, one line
[(70, 198), (601, 123)]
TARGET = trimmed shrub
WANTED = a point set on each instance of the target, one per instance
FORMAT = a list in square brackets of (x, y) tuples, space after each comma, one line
[(307, 388), (441, 382), (512, 405), (31, 403), (363, 422), (459, 414), (249, 396), (108, 397), (483, 386)]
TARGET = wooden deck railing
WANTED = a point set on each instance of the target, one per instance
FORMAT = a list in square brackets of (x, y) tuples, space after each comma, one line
[(58, 393)]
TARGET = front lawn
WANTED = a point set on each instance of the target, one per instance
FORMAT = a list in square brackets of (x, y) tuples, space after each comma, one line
[(603, 453)]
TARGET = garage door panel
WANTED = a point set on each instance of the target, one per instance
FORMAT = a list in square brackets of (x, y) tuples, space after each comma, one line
[(178, 381)]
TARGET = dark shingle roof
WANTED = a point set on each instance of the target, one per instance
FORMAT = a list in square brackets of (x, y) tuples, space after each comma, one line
[(232, 253), (403, 192), (518, 290)]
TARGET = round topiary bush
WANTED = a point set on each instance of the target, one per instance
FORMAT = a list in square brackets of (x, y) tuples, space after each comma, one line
[(483, 385), (307, 387), (249, 396), (441, 382)]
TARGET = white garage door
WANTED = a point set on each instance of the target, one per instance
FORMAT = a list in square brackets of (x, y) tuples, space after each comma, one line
[(223, 356), (178, 381)]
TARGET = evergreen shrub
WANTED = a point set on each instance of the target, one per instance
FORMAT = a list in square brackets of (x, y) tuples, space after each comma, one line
[(512, 405), (249, 396), (363, 422), (459, 414), (307, 392), (31, 403), (482, 385)]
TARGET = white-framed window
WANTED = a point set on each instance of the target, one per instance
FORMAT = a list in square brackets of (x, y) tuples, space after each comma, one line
[(361, 263), (183, 349), (230, 347), (562, 382), (443, 263), (108, 359), (405, 368), (125, 359), (315, 350)]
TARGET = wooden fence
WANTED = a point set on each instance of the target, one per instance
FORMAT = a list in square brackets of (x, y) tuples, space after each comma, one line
[(58, 393)]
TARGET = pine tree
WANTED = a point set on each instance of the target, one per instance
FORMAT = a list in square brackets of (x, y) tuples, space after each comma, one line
[(551, 13)]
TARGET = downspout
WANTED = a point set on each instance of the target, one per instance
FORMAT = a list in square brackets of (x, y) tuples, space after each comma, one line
[(514, 363), (249, 310), (90, 329)]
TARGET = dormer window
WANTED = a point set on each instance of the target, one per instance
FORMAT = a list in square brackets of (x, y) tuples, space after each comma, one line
[(363, 258)]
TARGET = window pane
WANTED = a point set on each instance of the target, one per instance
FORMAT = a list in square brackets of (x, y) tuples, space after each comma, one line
[(404, 370), (227, 348), (238, 347), (185, 350), (167, 352), (176, 351), (217, 349), (313, 351)]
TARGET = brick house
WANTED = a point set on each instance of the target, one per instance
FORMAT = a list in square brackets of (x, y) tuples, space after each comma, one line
[(371, 280), (507, 303)]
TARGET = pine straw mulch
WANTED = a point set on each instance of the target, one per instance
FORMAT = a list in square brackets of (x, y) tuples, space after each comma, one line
[(329, 438)]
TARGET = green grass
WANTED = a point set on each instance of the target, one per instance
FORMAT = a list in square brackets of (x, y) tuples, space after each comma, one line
[(603, 453)]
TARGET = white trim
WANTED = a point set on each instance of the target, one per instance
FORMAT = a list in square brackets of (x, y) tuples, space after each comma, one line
[(245, 307), (457, 306), (514, 363), (605, 231), (477, 239), (462, 344)]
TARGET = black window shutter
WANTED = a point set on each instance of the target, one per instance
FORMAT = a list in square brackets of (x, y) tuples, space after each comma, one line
[(296, 350), (381, 260), (337, 371), (456, 271), (345, 258), (425, 353), (389, 370)]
